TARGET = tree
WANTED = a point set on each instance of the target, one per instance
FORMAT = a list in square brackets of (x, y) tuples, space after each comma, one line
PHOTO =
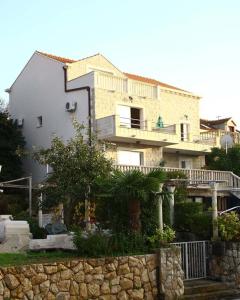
[(76, 166), (11, 147), (127, 197), (218, 159)]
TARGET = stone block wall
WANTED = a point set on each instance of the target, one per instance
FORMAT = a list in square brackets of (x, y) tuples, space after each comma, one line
[(225, 265), (129, 277)]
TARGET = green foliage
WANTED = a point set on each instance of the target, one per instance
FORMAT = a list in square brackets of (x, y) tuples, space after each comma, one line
[(218, 159), (11, 148), (128, 243), (98, 244), (77, 165), (162, 237), (95, 244), (229, 226), (190, 217), (117, 193), (37, 232)]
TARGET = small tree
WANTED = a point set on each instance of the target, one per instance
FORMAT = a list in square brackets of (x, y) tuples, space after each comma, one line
[(127, 198), (218, 159), (76, 166), (11, 146)]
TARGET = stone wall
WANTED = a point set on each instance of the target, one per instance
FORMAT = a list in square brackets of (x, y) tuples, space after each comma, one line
[(130, 277), (224, 263)]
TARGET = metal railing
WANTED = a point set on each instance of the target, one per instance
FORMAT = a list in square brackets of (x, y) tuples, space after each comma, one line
[(229, 179), (194, 259), (132, 123)]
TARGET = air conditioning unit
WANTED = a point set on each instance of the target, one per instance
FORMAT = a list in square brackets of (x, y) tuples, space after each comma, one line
[(71, 106), (20, 122)]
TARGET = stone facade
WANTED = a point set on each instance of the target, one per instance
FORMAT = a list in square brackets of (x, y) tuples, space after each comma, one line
[(224, 263), (105, 105), (130, 277)]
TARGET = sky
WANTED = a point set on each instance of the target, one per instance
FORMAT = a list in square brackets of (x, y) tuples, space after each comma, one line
[(192, 44)]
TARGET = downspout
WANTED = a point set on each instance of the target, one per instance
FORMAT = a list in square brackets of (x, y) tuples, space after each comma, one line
[(88, 89)]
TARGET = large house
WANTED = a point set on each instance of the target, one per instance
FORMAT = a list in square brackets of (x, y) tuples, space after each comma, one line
[(147, 122)]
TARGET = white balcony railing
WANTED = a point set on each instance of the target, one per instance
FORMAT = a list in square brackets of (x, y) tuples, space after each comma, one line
[(125, 85), (213, 137), (229, 180)]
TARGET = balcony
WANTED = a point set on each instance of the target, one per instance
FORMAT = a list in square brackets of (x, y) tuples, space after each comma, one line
[(198, 176), (213, 137), (126, 85), (118, 129)]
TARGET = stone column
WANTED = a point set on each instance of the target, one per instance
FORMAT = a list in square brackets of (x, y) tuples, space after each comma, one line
[(214, 187), (40, 220), (160, 215), (171, 189)]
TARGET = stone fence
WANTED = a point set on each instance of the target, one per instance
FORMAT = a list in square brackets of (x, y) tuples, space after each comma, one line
[(224, 263), (127, 277)]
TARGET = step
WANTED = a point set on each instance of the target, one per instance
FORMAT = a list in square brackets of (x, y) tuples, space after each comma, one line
[(214, 295), (203, 286)]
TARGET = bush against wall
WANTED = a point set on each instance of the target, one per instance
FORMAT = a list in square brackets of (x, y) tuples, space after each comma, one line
[(229, 226), (190, 217)]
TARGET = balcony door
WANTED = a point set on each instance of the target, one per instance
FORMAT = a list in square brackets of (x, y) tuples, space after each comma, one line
[(124, 113), (132, 158), (129, 116)]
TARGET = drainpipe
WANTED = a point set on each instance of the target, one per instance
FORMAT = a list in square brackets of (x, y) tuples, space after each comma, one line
[(88, 89)]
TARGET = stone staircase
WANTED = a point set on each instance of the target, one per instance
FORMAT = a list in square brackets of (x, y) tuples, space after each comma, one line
[(209, 290)]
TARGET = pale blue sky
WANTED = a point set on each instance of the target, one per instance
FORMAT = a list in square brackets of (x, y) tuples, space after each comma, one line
[(193, 44)]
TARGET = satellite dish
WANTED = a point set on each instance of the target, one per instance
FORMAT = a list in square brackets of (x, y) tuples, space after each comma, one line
[(226, 141)]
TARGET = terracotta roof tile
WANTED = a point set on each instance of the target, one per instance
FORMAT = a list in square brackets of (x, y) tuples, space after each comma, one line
[(152, 81), (213, 122), (58, 58), (131, 76)]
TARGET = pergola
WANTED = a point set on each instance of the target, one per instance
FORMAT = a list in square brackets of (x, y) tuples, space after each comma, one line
[(171, 184), (25, 183)]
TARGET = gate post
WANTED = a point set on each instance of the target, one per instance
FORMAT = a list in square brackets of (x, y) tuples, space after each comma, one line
[(170, 274)]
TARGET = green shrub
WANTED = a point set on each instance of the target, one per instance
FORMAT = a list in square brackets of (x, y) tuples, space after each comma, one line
[(128, 243), (229, 226), (99, 244), (190, 217), (184, 215), (94, 245), (37, 232), (162, 237)]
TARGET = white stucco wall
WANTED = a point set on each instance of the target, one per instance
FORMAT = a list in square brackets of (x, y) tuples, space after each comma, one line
[(39, 91)]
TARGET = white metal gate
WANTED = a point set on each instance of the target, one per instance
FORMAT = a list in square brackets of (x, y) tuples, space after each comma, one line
[(194, 259)]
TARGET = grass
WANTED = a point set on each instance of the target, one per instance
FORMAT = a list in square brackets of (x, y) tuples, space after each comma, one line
[(14, 259)]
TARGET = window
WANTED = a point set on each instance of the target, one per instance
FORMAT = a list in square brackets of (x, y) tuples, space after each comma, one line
[(185, 163), (39, 121), (130, 117), (184, 128), (133, 158)]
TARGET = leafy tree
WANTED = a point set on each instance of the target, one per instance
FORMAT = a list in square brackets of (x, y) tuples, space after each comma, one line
[(11, 147), (127, 199), (218, 159), (76, 166)]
